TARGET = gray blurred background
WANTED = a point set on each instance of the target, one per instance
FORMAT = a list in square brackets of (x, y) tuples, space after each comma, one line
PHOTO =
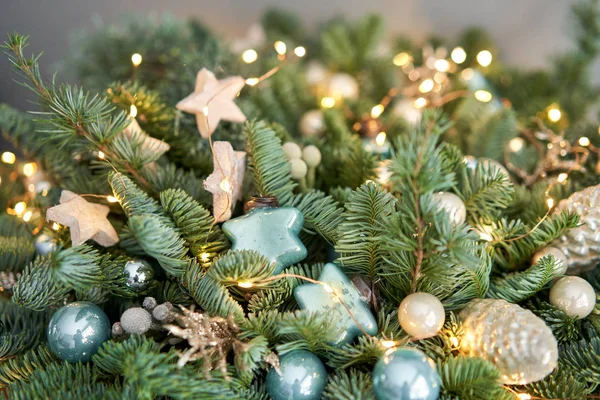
[(527, 32)]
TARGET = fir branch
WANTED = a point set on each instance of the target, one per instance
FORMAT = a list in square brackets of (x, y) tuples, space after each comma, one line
[(111, 355), (361, 355), (262, 324), (562, 383), (133, 200), (366, 209), (20, 368), (242, 265), (583, 358), (20, 329), (269, 167), (564, 328), (77, 267), (15, 253), (322, 214), (195, 223), (37, 289), (249, 357), (349, 384), (308, 331), (471, 378), (518, 286)]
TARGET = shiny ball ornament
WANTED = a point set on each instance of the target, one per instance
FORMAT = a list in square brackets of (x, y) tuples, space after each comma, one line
[(421, 315), (316, 73), (292, 151), (44, 244), (312, 123), (407, 110), (298, 168), (453, 205), (136, 320), (312, 156), (573, 295), (303, 377), (514, 339), (559, 256), (343, 86), (139, 275), (406, 374), (77, 330)]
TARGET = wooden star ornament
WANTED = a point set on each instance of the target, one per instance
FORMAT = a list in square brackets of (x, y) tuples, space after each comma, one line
[(212, 101), (152, 147), (225, 183), (86, 220)]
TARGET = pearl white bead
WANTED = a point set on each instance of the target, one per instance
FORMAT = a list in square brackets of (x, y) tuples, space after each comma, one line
[(343, 85), (421, 315), (312, 155), (299, 168), (573, 295), (292, 150), (559, 256), (453, 205), (312, 123)]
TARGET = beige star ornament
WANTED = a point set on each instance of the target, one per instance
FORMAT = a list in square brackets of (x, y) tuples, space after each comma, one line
[(86, 220), (225, 183), (212, 101), (149, 145)]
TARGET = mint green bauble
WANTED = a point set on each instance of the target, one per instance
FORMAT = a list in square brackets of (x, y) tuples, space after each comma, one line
[(77, 330), (406, 374), (272, 232), (303, 377)]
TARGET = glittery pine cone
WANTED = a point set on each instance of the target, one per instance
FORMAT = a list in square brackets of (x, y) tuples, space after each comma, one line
[(514, 339), (581, 245)]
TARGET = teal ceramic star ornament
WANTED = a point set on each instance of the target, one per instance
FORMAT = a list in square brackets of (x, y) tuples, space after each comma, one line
[(272, 232), (317, 298)]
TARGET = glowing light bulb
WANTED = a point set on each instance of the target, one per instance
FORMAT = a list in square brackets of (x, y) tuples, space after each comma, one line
[(29, 169), (252, 81), (136, 59), (300, 51), (20, 207), (420, 102), (484, 58), (516, 144), (458, 55), (584, 141), (101, 155), (225, 185), (27, 216), (377, 110), (204, 257), (524, 396), (245, 284), (550, 202), (554, 114), (112, 199), (133, 111), (205, 111), (414, 75), (388, 343), (380, 139), (55, 226), (327, 102), (401, 59), (442, 65), (454, 341), (426, 86), (562, 177), (8, 157), (467, 74), (249, 56), (280, 47), (483, 95), (327, 288)]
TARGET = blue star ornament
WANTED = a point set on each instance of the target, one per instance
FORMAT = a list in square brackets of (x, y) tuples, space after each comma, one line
[(319, 298), (272, 232)]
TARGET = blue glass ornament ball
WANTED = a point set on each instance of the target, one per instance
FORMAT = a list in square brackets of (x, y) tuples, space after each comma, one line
[(303, 377), (406, 374), (77, 330)]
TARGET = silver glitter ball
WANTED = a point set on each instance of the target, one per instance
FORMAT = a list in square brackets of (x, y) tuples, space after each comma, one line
[(139, 275)]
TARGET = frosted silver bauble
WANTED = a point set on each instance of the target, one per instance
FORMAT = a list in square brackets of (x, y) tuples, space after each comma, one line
[(343, 86), (312, 123), (136, 320), (421, 315), (514, 339), (581, 245), (453, 205), (573, 295), (559, 256)]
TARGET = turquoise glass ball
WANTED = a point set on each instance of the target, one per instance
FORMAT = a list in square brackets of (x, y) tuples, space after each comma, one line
[(303, 377), (77, 330), (406, 374)]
